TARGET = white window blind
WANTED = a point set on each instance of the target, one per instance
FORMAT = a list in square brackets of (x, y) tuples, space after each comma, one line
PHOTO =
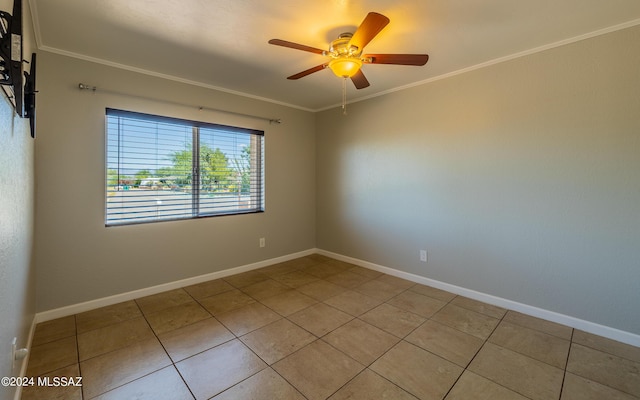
[(161, 168)]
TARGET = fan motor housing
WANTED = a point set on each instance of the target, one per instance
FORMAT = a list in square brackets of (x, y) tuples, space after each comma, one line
[(340, 47)]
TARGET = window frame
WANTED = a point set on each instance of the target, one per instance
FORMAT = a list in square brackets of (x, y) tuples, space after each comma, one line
[(256, 160)]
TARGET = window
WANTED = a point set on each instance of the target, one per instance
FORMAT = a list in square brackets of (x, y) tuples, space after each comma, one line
[(160, 168)]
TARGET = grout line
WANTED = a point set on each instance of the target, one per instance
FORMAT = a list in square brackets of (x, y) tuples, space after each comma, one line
[(173, 364), (566, 364), (75, 325), (466, 367), (125, 383)]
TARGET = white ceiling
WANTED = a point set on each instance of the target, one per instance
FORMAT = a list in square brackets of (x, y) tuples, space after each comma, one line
[(223, 43)]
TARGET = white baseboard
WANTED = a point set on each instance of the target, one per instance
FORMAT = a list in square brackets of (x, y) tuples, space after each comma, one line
[(135, 294), (586, 326)]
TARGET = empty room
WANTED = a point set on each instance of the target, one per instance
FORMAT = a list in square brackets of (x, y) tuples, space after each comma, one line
[(335, 199)]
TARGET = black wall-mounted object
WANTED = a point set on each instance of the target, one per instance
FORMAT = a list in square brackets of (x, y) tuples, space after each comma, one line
[(30, 95), (11, 65)]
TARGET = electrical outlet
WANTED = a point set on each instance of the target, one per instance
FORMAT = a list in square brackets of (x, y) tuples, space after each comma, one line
[(262, 242), (17, 354), (423, 256), (13, 353)]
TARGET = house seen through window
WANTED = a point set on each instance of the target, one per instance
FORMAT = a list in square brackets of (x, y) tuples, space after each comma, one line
[(160, 168)]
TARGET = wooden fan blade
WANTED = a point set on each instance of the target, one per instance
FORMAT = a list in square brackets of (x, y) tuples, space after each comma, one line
[(398, 59), (373, 23), (291, 45), (308, 71), (359, 80)]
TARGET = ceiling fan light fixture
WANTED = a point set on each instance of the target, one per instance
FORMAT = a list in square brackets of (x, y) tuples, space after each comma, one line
[(345, 67), (346, 58)]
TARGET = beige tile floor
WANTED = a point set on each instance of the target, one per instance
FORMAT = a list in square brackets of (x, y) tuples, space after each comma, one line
[(318, 328)]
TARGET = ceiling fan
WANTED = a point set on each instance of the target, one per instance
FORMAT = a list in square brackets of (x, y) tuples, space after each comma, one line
[(346, 56)]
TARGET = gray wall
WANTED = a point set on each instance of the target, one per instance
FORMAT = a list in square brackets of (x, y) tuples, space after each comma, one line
[(17, 283), (17, 276), (78, 259), (521, 179)]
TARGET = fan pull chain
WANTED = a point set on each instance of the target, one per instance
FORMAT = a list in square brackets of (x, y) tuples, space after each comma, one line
[(344, 96)]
